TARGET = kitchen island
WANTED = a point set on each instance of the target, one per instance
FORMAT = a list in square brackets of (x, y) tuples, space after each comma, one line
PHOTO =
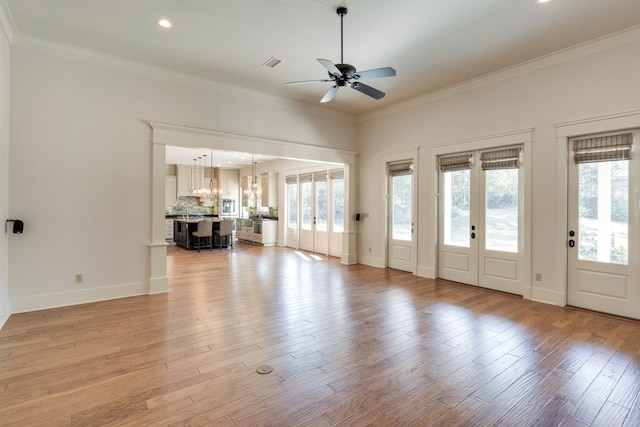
[(183, 231)]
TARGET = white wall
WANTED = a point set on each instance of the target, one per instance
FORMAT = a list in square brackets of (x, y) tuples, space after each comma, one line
[(5, 308), (80, 170), (81, 164), (569, 87)]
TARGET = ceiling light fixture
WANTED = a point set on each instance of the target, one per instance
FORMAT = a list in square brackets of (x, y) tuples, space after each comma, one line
[(165, 23), (543, 1)]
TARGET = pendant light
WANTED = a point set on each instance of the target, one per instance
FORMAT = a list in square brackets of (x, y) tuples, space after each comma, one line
[(213, 192), (253, 191), (194, 189)]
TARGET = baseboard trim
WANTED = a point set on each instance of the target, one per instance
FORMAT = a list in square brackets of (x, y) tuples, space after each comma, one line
[(547, 296), (83, 296), (426, 272), (5, 312), (371, 261)]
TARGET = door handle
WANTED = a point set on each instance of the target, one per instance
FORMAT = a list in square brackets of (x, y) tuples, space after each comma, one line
[(473, 235), (571, 243)]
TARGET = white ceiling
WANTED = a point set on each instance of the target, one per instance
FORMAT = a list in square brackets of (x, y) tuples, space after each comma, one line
[(224, 159), (432, 44)]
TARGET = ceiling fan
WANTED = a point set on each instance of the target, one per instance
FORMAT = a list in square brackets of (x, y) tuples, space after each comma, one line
[(346, 75)]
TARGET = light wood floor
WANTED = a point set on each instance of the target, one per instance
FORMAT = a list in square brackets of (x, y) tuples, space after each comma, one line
[(349, 346)]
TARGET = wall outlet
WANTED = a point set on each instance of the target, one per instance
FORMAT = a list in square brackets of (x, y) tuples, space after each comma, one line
[(369, 250), (538, 277), (79, 278)]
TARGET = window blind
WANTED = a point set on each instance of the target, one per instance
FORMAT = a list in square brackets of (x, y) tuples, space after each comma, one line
[(306, 178), (506, 158), (603, 148), (320, 176), (458, 162), (336, 174), (292, 179), (400, 168)]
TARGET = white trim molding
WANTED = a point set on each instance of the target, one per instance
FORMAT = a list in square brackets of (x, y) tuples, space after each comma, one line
[(524, 137), (564, 131), (163, 134)]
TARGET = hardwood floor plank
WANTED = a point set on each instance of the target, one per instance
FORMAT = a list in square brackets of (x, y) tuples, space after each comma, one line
[(349, 345)]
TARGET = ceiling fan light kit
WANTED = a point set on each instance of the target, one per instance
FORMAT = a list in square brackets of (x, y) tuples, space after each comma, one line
[(342, 74)]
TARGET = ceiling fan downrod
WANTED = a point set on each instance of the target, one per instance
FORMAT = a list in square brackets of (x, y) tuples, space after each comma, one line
[(342, 11)]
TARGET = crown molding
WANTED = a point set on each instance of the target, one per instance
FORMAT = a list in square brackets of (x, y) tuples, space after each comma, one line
[(601, 44), (7, 24), (147, 70)]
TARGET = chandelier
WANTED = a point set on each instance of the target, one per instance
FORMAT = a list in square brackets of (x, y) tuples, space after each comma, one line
[(209, 192), (254, 194)]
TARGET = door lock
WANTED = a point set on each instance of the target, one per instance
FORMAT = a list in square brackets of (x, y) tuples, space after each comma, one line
[(572, 243)]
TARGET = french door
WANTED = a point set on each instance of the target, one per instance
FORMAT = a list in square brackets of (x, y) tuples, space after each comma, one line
[(481, 219), (320, 213), (307, 219), (321, 219), (336, 223), (603, 222), (400, 240)]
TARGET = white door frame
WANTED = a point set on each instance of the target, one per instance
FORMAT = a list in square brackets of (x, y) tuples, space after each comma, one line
[(522, 137), (564, 131), (163, 134), (409, 155)]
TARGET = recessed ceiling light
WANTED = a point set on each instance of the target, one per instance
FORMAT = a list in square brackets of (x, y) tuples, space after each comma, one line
[(543, 1), (271, 62), (165, 23)]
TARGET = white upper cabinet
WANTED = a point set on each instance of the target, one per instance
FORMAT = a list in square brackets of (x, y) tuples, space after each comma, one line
[(228, 179), (269, 183), (170, 190), (189, 178)]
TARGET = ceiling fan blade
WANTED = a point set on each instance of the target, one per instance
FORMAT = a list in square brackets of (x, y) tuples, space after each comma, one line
[(307, 81), (367, 90), (330, 94), (375, 73), (330, 66)]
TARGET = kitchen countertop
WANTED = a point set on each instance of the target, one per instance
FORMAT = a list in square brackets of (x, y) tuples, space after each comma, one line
[(193, 220), (175, 216)]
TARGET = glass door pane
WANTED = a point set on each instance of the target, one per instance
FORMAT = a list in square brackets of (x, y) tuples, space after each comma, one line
[(456, 201), (603, 212), (501, 210), (292, 198), (306, 191), (322, 211), (338, 205), (401, 209)]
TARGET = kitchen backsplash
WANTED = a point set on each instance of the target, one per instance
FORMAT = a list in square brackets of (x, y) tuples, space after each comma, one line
[(190, 204)]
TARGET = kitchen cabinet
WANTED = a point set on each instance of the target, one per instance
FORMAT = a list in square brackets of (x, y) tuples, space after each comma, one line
[(168, 229), (264, 232), (228, 179), (189, 178), (170, 190), (244, 188), (269, 183)]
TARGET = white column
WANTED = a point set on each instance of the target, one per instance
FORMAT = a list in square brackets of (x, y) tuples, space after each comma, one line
[(349, 236), (158, 280)]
